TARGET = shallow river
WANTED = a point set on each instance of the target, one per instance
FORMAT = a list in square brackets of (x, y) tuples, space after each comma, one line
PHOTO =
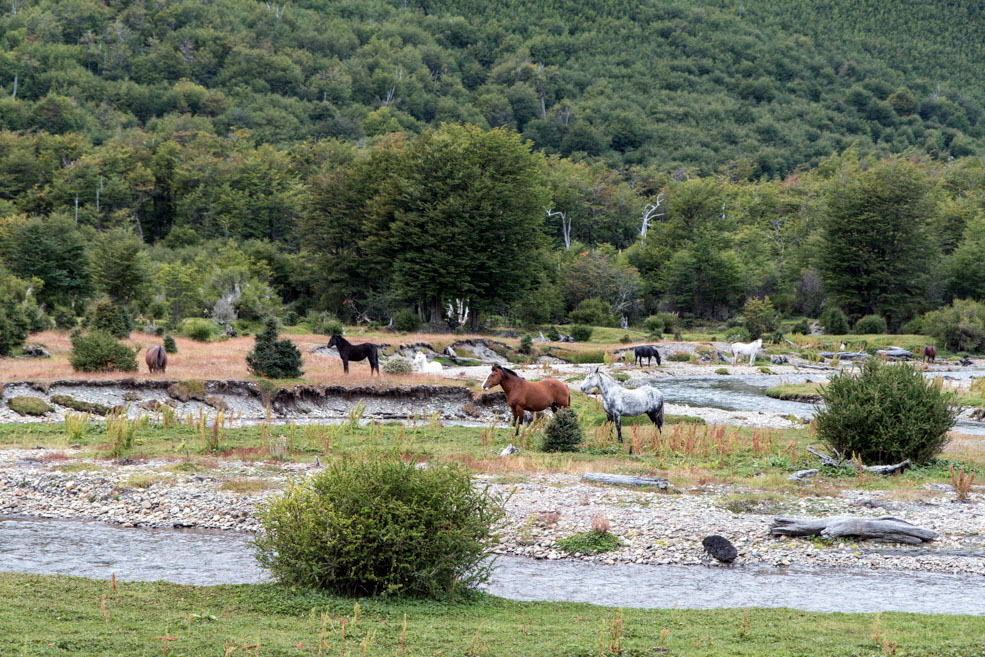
[(96, 550)]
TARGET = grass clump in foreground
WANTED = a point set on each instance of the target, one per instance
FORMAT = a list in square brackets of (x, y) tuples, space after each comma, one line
[(26, 405), (55, 615), (380, 526)]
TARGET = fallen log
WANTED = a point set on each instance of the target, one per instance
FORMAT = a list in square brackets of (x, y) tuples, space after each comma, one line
[(885, 529), (874, 469), (626, 480), (803, 475), (845, 355), (815, 367)]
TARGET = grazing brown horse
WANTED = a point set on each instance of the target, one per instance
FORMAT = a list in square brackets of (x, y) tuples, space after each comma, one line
[(157, 359), (523, 395), (929, 353)]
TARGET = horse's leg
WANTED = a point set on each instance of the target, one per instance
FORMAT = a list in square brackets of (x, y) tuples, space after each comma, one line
[(345, 364), (619, 427), (517, 419)]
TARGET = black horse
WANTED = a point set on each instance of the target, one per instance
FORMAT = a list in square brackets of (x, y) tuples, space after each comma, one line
[(350, 351), (647, 352)]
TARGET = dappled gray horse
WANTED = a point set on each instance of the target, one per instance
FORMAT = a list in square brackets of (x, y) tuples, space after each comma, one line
[(618, 401)]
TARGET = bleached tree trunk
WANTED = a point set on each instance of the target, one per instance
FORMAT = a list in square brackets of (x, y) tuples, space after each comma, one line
[(650, 213), (565, 226)]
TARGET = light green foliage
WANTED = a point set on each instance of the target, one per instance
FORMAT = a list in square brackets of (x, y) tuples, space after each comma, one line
[(581, 333), (870, 325), (397, 365), (563, 433), (24, 405), (593, 312), (98, 351), (590, 542), (327, 324), (885, 415), (959, 327), (601, 280), (198, 328), (380, 526), (760, 317)]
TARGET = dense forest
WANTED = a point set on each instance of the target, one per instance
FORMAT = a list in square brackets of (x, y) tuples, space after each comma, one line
[(237, 159)]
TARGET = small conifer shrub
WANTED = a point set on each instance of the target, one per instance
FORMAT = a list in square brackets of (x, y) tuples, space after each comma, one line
[(273, 358), (170, 346), (563, 433), (99, 351)]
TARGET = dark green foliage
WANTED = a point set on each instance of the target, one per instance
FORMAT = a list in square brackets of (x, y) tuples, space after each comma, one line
[(170, 346), (198, 328), (112, 318), (654, 325), (553, 334), (760, 317), (915, 326), (52, 250), (273, 358), (563, 433), (327, 324), (526, 343), (380, 526), (581, 333), (870, 325), (885, 415), (99, 351), (593, 312), (24, 405), (803, 327), (959, 327), (13, 325), (834, 321), (65, 319), (590, 542), (120, 267), (406, 321), (81, 406)]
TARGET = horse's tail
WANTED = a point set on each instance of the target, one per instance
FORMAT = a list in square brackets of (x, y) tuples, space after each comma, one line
[(160, 357), (660, 416)]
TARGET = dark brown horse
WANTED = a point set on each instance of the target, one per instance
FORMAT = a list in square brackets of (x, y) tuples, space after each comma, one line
[(523, 395), (929, 353), (348, 351), (156, 358)]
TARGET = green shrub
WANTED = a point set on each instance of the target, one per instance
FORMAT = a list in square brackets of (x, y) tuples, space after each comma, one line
[(65, 319), (24, 405), (563, 433), (111, 318), (679, 357), (13, 326), (584, 357), (654, 325), (834, 321), (198, 328), (170, 346), (526, 344), (581, 333), (590, 542), (99, 351), (593, 312), (157, 309), (738, 334), (327, 324), (870, 325), (81, 406), (406, 321), (915, 326), (553, 334), (885, 415), (380, 526), (959, 327), (273, 358), (626, 338), (803, 327), (672, 323), (722, 370), (760, 318), (397, 365)]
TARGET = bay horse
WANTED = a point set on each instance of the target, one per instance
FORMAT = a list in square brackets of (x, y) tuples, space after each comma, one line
[(523, 395), (156, 358), (746, 349), (647, 352), (357, 352), (618, 401), (929, 353)]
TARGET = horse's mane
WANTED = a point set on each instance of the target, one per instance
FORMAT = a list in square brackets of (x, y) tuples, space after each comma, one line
[(340, 338), (510, 372)]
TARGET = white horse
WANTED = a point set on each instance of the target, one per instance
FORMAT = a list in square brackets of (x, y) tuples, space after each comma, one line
[(421, 364), (617, 401), (746, 349)]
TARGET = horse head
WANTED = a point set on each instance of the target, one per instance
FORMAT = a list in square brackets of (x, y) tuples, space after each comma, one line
[(335, 341), (420, 359), (494, 379), (591, 381)]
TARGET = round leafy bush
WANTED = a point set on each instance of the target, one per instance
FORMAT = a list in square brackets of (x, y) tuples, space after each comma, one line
[(870, 325), (593, 312), (198, 328), (960, 326), (563, 433), (654, 325), (397, 365), (170, 346), (803, 327), (553, 334), (99, 351), (760, 317), (834, 321), (13, 326), (112, 318), (64, 319), (885, 415), (738, 334), (581, 333), (327, 324), (915, 326), (380, 526), (672, 322), (526, 343), (273, 358), (406, 321)]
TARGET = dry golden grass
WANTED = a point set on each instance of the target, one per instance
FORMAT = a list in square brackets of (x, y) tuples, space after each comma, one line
[(203, 360)]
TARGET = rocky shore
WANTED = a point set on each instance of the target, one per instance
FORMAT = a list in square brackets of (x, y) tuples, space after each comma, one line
[(655, 527)]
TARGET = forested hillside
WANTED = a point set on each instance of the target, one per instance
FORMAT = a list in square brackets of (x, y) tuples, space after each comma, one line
[(233, 160)]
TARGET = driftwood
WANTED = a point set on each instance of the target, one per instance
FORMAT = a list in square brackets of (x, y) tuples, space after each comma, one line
[(845, 355), (815, 367), (626, 480), (885, 529), (875, 469), (895, 353), (803, 475)]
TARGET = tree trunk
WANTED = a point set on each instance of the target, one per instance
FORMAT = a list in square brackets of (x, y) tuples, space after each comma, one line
[(437, 312), (885, 529)]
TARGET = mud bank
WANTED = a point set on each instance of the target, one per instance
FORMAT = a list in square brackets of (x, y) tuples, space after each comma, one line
[(246, 400)]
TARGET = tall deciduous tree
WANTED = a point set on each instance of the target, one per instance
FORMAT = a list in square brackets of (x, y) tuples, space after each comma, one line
[(120, 268), (877, 252)]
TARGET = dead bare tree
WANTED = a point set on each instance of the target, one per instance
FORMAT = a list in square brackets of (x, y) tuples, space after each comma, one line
[(649, 214), (565, 226)]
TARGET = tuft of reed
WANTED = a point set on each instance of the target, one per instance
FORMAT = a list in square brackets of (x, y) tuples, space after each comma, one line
[(962, 481), (75, 426), (120, 431)]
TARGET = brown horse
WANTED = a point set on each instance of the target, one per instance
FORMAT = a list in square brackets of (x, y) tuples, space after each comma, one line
[(929, 353), (523, 395), (157, 359)]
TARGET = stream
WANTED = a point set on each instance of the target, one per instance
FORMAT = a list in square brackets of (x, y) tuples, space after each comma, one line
[(97, 550)]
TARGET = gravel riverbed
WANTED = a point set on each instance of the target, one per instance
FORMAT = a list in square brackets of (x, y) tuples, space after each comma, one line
[(655, 527)]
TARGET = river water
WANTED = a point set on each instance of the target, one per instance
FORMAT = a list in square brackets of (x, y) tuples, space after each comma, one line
[(97, 550)]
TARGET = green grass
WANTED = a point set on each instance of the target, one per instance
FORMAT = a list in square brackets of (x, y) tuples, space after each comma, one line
[(24, 405), (54, 616), (590, 542), (794, 391)]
